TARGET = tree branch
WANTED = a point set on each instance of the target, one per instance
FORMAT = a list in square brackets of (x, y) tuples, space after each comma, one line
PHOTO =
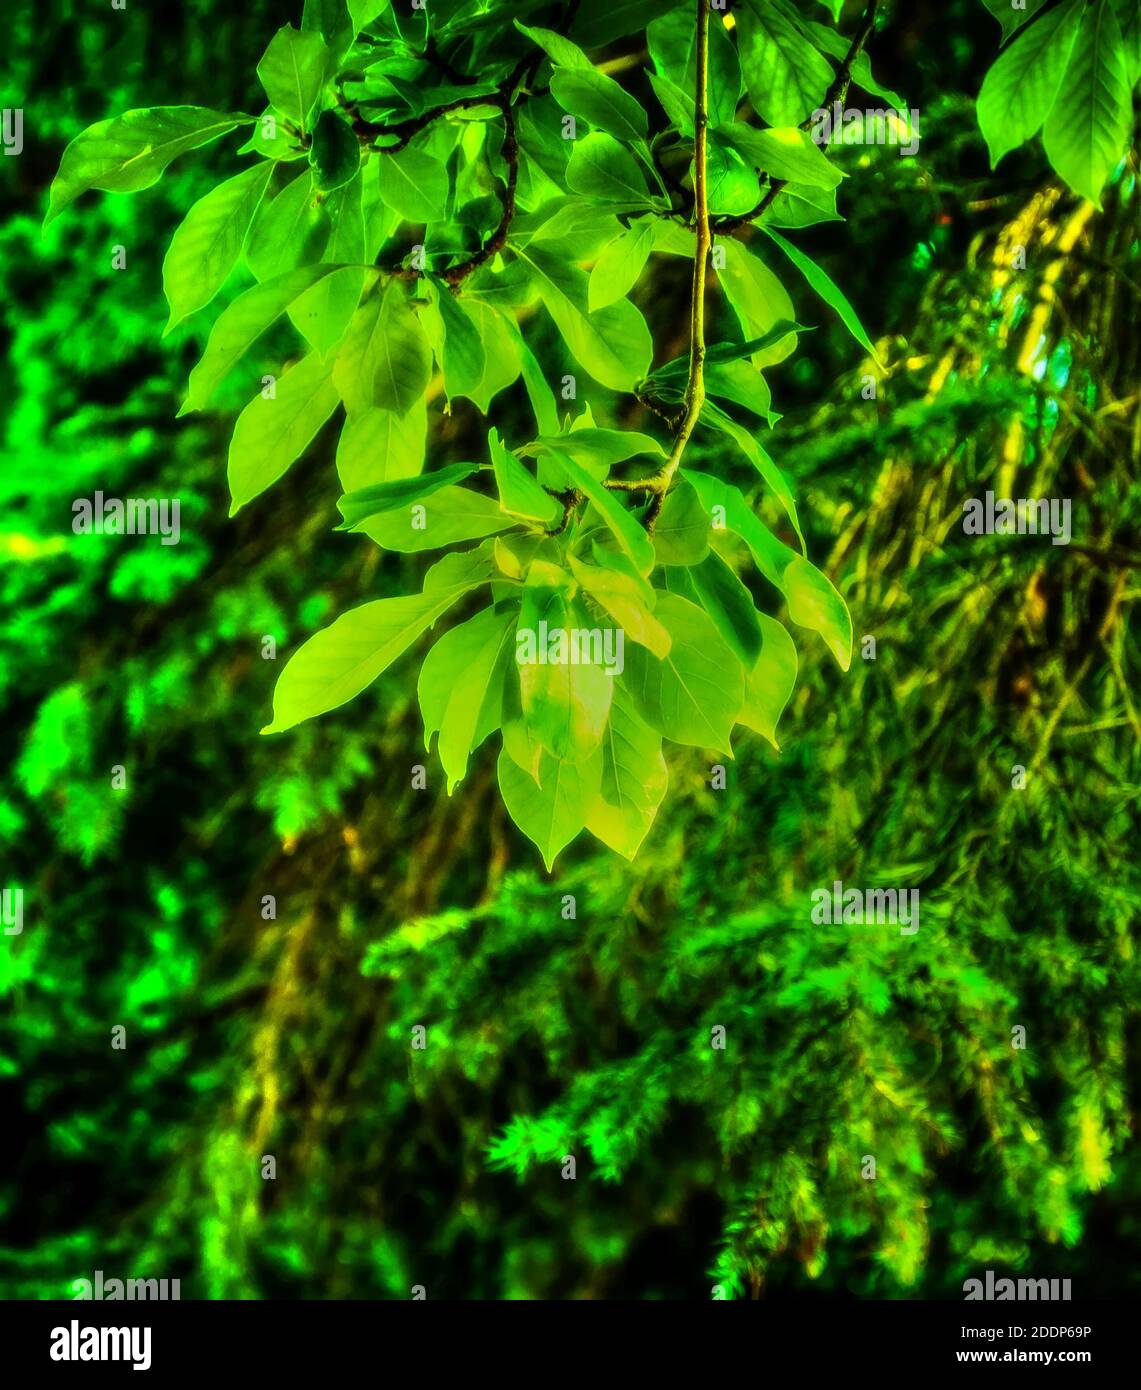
[(837, 92)]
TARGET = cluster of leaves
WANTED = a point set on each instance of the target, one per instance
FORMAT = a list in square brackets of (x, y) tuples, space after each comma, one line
[(1070, 73), (424, 177)]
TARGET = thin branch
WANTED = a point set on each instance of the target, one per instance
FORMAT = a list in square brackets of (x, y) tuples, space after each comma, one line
[(513, 91), (838, 92)]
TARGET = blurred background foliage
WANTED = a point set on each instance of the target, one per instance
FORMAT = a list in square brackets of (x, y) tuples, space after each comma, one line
[(546, 1037)]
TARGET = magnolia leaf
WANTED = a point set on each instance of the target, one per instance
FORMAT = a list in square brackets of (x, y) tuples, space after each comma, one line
[(634, 779), (131, 151), (413, 184), (340, 661), (446, 517), (552, 811), (769, 682), (519, 493), (460, 688), (293, 70), (208, 243), (385, 359), (1019, 90), (240, 325), (785, 73), (335, 153), (827, 289), (275, 430), (1088, 127), (379, 446), (398, 493), (694, 694), (620, 266)]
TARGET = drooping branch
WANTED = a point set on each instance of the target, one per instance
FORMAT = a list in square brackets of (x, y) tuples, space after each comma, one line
[(837, 92)]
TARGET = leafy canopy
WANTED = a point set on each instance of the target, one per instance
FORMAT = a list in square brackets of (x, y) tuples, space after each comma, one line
[(423, 180)]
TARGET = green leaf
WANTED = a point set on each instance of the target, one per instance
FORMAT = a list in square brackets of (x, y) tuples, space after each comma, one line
[(464, 359), (759, 301), (323, 313), (209, 241), (413, 184), (385, 359), (380, 446), (733, 186), (694, 695), (786, 75), (613, 345), (624, 597), (1020, 88), (293, 71), (729, 603), (1088, 127), (560, 50), (502, 351), (1129, 21), (826, 288), (341, 660), (597, 450), (601, 168), (289, 230), (592, 96), (634, 779), (131, 151), (714, 417), (1010, 17), (519, 493), (681, 536), (240, 325), (335, 23), (335, 153), (398, 493), (552, 811), (632, 540), (620, 266), (801, 205), (565, 703), (460, 688), (272, 432), (672, 42), (769, 683), (678, 105), (446, 517), (539, 393), (742, 384), (813, 601), (786, 153)]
